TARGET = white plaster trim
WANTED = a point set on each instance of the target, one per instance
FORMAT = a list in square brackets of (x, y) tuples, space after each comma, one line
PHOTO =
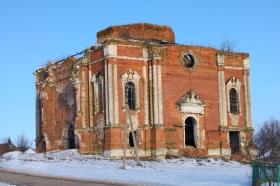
[(160, 107), (214, 152), (191, 103), (90, 98), (222, 99), (83, 99), (96, 61), (145, 54), (38, 119), (106, 93), (245, 98), (116, 97), (233, 83), (146, 111), (150, 91), (134, 77), (132, 46), (110, 50), (155, 95), (160, 153), (119, 57), (220, 59), (226, 151), (246, 63), (233, 68), (191, 108), (249, 102), (173, 152), (129, 58), (110, 94)]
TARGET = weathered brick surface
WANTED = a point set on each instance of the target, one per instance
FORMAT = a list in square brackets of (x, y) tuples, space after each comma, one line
[(55, 83), (137, 31)]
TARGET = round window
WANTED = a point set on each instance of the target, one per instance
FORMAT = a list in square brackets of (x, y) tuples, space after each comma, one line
[(188, 61)]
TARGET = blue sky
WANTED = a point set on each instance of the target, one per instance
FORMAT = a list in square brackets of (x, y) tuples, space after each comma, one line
[(33, 32)]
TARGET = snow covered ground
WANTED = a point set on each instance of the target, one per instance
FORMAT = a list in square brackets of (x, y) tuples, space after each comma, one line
[(182, 171), (4, 184)]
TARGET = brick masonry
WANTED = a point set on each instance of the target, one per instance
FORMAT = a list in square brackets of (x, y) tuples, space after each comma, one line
[(88, 93)]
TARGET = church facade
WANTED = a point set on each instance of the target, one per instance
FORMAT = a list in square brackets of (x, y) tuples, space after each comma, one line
[(182, 99)]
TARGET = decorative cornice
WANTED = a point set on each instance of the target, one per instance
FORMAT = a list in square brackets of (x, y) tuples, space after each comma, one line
[(191, 97), (191, 103)]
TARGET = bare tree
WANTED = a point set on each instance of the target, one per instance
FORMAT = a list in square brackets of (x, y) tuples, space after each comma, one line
[(6, 139), (267, 142), (23, 143), (227, 46)]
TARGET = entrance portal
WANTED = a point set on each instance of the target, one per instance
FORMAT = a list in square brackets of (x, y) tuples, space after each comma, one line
[(234, 142), (43, 146), (189, 131), (71, 137)]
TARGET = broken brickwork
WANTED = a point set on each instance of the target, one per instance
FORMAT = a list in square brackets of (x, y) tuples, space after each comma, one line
[(184, 99)]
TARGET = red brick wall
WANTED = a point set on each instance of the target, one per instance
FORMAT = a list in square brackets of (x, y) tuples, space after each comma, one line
[(177, 81)]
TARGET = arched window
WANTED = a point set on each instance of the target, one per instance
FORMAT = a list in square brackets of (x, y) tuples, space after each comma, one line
[(130, 95), (233, 98), (100, 97)]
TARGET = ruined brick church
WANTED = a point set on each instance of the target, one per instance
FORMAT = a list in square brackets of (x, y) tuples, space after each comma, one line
[(182, 99)]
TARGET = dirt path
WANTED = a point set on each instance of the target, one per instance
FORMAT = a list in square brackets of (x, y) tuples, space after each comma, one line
[(28, 180)]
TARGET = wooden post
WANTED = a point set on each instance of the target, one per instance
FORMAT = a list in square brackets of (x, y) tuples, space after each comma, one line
[(127, 109), (124, 142), (127, 112), (133, 135)]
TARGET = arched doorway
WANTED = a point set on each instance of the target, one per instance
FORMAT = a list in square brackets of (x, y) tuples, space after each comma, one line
[(43, 146), (71, 137), (190, 131)]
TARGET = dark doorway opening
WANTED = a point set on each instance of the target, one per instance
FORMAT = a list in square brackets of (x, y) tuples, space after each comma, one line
[(189, 131), (131, 144), (43, 146), (71, 137), (234, 142)]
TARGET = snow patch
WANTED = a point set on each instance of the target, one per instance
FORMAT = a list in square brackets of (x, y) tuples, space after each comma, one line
[(30, 151), (180, 171), (14, 155), (4, 184)]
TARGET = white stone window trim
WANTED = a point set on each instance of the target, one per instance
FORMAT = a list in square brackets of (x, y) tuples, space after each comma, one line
[(233, 83), (134, 77), (97, 78)]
